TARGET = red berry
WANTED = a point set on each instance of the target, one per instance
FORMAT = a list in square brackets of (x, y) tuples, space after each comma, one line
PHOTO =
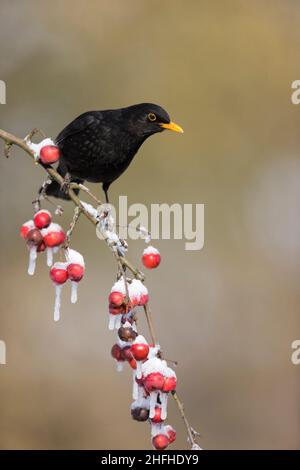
[(116, 310), (134, 301), (127, 354), (140, 414), (49, 154), (157, 416), (42, 219), (75, 272), (154, 381), (140, 351), (127, 333), (116, 298), (58, 275), (171, 433), (41, 247), (144, 299), (34, 237), (169, 384), (132, 363), (160, 441), (151, 260), (141, 300), (52, 239), (116, 352)]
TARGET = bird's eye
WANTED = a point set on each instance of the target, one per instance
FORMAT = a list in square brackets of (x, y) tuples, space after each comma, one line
[(151, 117)]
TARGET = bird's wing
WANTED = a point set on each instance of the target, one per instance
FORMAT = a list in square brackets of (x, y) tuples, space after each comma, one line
[(80, 124)]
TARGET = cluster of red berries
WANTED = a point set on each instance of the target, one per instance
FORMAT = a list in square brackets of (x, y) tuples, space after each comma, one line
[(42, 234), (123, 299), (73, 270), (153, 380)]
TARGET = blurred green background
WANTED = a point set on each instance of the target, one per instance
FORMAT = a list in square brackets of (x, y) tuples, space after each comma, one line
[(223, 69)]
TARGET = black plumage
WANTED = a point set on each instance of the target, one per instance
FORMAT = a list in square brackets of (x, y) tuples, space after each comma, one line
[(98, 146)]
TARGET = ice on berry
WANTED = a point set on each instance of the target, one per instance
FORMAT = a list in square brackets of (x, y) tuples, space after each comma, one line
[(74, 257), (150, 250)]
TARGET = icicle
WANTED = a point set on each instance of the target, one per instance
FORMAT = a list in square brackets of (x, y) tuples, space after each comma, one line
[(58, 289), (111, 324), (32, 260), (138, 369), (118, 321), (153, 401), (74, 286), (164, 401), (114, 321), (49, 256), (140, 393), (119, 366)]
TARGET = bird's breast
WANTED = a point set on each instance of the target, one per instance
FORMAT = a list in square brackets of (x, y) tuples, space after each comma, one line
[(98, 156)]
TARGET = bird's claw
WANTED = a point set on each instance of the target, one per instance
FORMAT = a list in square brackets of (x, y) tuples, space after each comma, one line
[(66, 185)]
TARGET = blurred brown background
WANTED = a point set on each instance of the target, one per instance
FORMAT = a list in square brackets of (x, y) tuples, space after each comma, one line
[(228, 313)]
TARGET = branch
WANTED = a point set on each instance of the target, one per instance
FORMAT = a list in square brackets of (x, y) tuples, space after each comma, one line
[(123, 262)]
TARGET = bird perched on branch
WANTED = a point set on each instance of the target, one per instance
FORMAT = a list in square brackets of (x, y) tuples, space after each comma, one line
[(98, 146)]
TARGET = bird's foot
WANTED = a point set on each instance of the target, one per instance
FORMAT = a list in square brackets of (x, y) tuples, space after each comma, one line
[(65, 186)]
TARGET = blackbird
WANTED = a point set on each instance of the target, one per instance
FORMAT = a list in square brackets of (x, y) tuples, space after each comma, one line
[(98, 146)]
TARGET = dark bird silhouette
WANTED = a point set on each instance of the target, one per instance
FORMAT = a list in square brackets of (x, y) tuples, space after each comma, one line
[(98, 146)]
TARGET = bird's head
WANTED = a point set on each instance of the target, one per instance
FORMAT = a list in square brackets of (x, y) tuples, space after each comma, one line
[(146, 119)]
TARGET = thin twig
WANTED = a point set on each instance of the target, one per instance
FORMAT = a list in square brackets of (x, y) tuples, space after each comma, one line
[(76, 215), (190, 431), (150, 323), (123, 273), (33, 133)]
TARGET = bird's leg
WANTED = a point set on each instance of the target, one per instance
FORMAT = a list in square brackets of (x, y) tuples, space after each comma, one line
[(105, 187), (65, 186)]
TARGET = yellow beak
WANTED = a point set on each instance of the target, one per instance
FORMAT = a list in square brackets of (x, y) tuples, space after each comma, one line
[(172, 127)]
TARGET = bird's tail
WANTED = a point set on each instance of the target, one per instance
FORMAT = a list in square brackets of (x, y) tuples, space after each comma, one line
[(54, 188)]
